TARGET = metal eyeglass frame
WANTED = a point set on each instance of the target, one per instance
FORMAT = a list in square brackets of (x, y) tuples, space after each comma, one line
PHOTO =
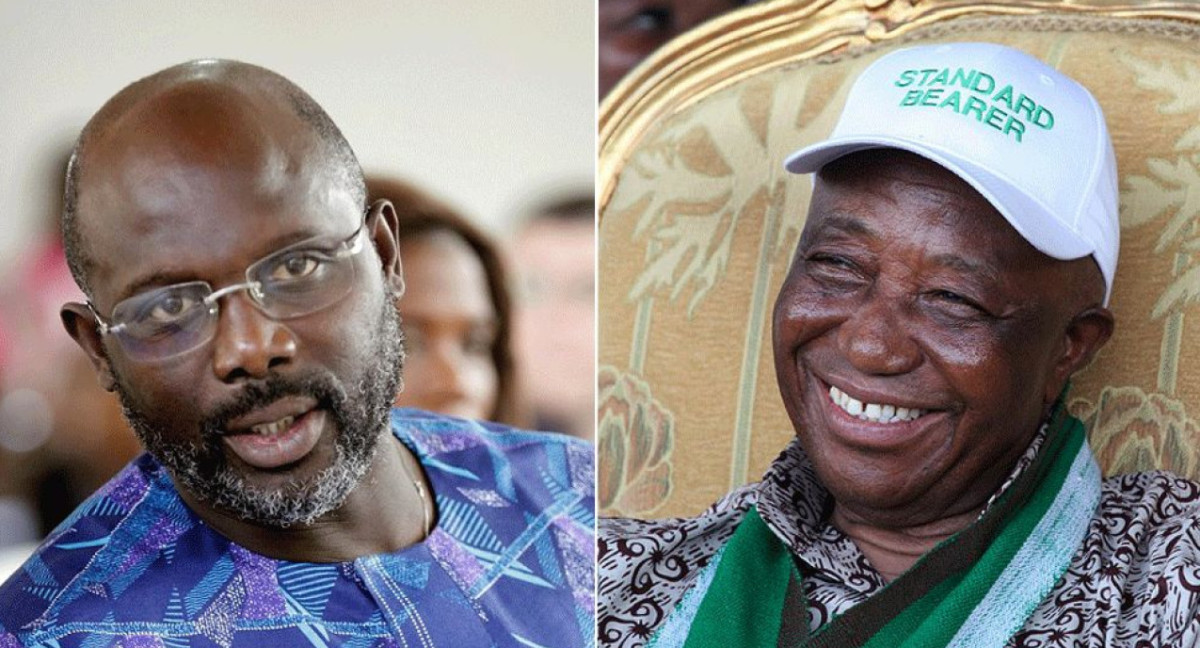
[(349, 247)]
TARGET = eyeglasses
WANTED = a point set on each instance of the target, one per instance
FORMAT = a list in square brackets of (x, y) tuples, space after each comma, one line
[(298, 280)]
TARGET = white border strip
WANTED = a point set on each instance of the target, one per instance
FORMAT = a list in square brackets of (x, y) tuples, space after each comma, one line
[(674, 630), (1039, 563)]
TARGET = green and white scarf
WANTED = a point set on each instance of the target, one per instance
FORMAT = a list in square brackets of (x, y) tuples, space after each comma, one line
[(974, 590)]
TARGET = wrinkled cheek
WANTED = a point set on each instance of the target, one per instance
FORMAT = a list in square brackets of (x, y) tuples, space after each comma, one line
[(791, 329), (791, 382)]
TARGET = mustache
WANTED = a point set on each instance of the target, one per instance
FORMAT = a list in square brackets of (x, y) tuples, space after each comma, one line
[(322, 387)]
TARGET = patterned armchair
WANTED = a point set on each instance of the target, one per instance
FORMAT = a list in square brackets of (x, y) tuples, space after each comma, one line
[(698, 221)]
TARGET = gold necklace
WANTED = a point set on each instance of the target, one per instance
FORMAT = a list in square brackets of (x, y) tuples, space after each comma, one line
[(420, 495)]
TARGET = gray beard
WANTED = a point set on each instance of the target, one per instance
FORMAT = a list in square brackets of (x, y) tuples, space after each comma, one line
[(360, 413)]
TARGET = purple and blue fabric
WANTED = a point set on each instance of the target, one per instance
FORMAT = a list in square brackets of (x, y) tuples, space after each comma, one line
[(510, 562)]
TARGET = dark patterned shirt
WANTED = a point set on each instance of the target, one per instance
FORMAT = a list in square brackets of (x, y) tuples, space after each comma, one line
[(1135, 581), (510, 562)]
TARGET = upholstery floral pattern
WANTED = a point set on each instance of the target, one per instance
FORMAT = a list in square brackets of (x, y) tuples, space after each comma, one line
[(1132, 431), (636, 434)]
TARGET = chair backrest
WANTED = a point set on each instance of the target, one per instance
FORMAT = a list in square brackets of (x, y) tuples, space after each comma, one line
[(699, 220)]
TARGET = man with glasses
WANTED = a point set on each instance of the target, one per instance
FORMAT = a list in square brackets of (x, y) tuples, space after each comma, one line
[(241, 304)]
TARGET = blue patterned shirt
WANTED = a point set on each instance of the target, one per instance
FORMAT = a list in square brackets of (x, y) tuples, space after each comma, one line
[(510, 562)]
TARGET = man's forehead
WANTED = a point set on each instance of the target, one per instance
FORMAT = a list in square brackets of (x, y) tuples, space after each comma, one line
[(199, 122), (945, 202), (879, 166), (199, 171), (199, 140)]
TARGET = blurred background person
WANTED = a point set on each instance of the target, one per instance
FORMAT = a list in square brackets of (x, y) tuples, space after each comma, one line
[(554, 250), (631, 29), (456, 311)]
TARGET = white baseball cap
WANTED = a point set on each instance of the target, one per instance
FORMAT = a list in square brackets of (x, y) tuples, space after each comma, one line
[(1031, 140)]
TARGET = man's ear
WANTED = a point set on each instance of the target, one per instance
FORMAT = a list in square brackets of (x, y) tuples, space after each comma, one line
[(384, 228), (1087, 332), (81, 325)]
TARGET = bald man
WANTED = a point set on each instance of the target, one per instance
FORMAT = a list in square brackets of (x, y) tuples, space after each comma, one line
[(240, 295)]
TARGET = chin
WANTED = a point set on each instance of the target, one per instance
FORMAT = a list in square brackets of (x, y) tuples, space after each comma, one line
[(286, 500)]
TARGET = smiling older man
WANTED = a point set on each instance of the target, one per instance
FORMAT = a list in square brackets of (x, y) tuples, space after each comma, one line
[(953, 273), (241, 299)]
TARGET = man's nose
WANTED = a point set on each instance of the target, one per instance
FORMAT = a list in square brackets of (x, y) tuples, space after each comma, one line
[(875, 338), (248, 343)]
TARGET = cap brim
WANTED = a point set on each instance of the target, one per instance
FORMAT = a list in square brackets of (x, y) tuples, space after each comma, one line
[(1032, 220)]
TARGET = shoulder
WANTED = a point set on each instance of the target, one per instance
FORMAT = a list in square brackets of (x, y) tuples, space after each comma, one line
[(1144, 509), (67, 577), (714, 525), (511, 480), (435, 434), (645, 566), (505, 454), (515, 508), (1152, 518), (1143, 551)]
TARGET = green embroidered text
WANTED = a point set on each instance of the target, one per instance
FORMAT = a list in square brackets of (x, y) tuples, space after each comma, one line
[(976, 94)]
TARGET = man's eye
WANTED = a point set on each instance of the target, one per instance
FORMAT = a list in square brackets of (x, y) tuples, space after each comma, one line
[(296, 266), (831, 260), (169, 308), (951, 297), (956, 303), (833, 267)]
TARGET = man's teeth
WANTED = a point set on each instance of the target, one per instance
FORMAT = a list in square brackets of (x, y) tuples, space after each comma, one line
[(873, 412), (270, 429)]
